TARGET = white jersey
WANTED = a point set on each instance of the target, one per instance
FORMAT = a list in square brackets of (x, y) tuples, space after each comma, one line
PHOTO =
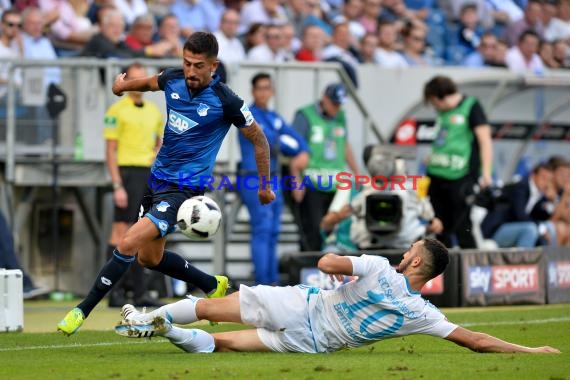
[(378, 305)]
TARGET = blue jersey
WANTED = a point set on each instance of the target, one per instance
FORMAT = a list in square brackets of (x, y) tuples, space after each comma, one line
[(195, 128), (280, 136)]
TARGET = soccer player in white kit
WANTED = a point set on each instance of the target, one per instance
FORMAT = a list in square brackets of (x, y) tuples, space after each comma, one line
[(381, 303)]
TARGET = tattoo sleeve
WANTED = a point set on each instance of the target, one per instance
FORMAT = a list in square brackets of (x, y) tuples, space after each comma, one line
[(255, 134)]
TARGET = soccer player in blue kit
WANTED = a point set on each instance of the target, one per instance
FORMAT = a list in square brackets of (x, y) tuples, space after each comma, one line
[(265, 221), (381, 303), (200, 111)]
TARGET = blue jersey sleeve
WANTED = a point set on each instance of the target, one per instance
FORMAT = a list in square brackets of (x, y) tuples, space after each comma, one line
[(168, 74), (236, 111)]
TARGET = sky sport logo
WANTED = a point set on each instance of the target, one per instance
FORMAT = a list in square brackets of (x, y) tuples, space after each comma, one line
[(339, 181)]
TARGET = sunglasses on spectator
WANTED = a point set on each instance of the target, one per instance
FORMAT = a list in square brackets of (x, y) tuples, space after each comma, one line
[(13, 24)]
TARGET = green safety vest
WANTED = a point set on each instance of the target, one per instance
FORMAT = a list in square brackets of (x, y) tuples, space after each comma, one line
[(327, 145), (452, 147)]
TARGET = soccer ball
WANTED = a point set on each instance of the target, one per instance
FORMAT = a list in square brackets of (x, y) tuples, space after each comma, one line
[(199, 218)]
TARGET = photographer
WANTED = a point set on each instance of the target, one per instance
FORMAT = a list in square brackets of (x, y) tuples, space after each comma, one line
[(405, 219)]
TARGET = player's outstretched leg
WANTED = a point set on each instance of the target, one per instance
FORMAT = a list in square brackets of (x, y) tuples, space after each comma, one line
[(189, 340), (111, 272), (181, 312)]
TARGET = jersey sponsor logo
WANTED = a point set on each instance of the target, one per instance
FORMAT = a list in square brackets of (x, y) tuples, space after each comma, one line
[(457, 119), (277, 124), (338, 132), (106, 281), (479, 279), (163, 226), (202, 110), (175, 96), (163, 206), (559, 274), (515, 278), (179, 123), (110, 121), (246, 114)]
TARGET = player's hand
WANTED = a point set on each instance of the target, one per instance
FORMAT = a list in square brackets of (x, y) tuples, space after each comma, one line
[(336, 277), (298, 194), (118, 84), (485, 181), (120, 197), (545, 350), (266, 196)]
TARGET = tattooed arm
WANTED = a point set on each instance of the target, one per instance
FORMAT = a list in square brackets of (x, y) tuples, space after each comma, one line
[(254, 134)]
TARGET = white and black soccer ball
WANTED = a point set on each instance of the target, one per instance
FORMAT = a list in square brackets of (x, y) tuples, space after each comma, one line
[(199, 218)]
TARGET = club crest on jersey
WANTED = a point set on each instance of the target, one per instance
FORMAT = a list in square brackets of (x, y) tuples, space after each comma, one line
[(179, 123), (162, 206), (202, 109)]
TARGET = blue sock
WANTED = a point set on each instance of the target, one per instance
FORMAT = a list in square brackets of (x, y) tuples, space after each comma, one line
[(173, 265), (109, 275)]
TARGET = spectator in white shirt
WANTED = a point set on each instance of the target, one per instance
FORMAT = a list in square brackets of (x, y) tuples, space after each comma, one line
[(559, 27), (524, 57), (386, 54), (271, 50), (131, 9), (10, 48), (261, 11), (231, 49)]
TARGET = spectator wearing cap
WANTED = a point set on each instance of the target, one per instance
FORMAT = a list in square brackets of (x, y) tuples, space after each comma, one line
[(531, 21), (323, 125)]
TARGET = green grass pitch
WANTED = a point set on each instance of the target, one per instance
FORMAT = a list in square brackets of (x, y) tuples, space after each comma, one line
[(96, 352)]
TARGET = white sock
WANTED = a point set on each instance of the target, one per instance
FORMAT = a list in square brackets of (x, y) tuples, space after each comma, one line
[(191, 340), (182, 312)]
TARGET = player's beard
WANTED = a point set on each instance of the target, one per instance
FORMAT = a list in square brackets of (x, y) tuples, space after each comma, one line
[(404, 264)]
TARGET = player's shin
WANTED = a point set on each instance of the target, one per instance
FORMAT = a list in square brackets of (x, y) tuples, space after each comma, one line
[(109, 275), (191, 340), (173, 265)]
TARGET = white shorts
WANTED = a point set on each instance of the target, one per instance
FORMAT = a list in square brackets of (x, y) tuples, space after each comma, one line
[(281, 315)]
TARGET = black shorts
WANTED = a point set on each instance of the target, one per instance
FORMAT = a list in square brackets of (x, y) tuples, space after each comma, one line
[(135, 180), (161, 205)]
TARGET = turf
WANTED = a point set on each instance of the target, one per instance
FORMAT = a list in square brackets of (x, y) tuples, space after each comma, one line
[(95, 352)]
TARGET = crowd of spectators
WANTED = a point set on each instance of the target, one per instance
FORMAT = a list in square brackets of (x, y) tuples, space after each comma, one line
[(523, 35)]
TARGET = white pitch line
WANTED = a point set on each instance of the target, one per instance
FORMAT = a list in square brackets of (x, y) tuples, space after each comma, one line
[(103, 344), (522, 322), (80, 345)]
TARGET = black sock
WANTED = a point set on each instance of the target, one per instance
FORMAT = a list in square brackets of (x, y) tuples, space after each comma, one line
[(111, 273), (173, 265)]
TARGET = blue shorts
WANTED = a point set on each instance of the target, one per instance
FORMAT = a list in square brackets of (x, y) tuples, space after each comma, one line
[(161, 205)]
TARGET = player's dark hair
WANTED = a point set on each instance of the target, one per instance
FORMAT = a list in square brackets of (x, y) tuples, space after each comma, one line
[(436, 258), (439, 87), (202, 43), (259, 76)]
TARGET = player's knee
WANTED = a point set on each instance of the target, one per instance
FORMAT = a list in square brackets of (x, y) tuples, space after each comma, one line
[(149, 260)]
